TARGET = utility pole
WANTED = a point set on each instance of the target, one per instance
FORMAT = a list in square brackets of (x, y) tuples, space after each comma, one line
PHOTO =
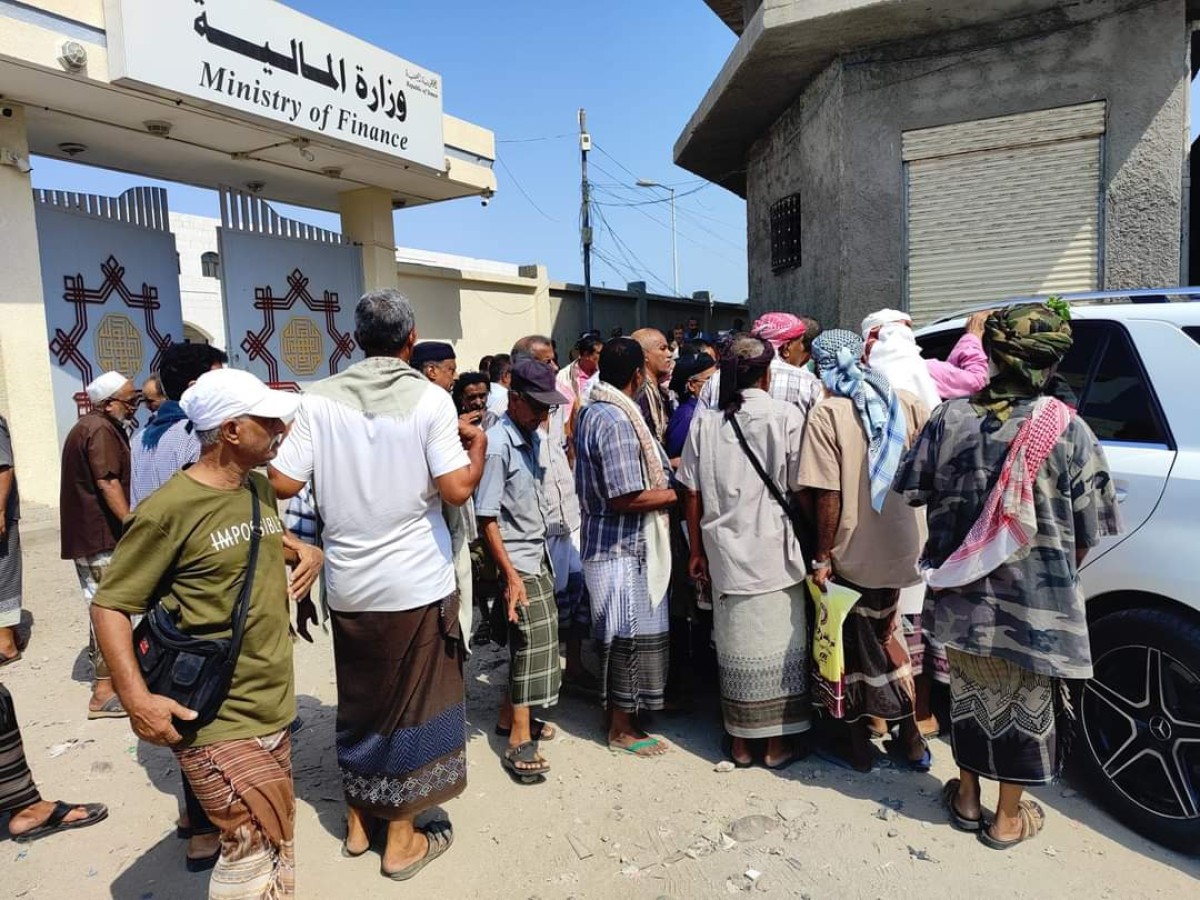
[(585, 144)]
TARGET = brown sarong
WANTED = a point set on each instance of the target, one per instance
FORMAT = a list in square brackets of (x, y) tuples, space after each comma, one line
[(245, 787), (401, 720), (879, 679)]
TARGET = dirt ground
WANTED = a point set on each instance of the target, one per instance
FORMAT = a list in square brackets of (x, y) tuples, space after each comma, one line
[(601, 826)]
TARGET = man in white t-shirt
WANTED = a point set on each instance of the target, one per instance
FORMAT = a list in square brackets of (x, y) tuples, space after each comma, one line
[(383, 448)]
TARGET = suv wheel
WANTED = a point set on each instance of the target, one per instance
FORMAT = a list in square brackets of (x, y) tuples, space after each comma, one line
[(1139, 718)]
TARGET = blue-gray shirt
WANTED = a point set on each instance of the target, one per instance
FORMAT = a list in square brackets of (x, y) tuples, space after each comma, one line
[(511, 493)]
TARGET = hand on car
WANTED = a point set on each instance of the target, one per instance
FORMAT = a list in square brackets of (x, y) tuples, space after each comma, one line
[(976, 323)]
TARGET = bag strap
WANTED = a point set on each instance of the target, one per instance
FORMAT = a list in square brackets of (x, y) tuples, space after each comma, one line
[(767, 480), (242, 606)]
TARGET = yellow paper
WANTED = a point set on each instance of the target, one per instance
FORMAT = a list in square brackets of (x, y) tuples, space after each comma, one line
[(832, 607)]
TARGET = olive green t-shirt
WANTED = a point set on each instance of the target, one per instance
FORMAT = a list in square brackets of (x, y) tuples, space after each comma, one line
[(189, 544)]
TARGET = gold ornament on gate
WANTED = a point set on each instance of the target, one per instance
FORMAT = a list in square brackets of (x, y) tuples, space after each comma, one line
[(119, 346), (302, 346)]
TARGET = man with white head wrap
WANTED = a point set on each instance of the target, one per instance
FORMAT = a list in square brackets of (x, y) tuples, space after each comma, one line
[(891, 348), (93, 503)]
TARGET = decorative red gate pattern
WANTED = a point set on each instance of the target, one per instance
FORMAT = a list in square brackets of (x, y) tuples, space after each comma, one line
[(65, 346), (255, 343)]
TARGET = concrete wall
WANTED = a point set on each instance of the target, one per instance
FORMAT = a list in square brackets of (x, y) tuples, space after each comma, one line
[(200, 296), (845, 160)]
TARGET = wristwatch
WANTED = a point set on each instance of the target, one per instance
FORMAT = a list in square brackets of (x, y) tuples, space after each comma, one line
[(822, 564)]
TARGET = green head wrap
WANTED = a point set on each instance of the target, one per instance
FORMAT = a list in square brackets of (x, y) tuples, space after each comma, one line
[(1025, 344)]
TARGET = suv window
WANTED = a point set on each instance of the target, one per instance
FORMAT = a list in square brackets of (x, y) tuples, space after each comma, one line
[(1106, 375)]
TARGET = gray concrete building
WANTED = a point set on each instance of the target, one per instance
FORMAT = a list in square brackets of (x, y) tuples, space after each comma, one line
[(937, 154)]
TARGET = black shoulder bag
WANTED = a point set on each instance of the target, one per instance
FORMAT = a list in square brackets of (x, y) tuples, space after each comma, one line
[(195, 672), (798, 524)]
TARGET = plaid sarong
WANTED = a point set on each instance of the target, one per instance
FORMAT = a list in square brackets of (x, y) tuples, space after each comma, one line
[(535, 674), (245, 787)]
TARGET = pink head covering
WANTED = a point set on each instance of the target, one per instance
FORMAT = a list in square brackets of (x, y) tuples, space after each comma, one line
[(778, 328)]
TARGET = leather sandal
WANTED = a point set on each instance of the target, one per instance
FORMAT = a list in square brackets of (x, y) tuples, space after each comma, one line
[(1033, 819)]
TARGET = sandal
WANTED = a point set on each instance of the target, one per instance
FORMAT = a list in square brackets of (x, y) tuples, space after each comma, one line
[(110, 709), (9, 660), (636, 748), (900, 758), (957, 819), (96, 812), (526, 753), (440, 836), (538, 731), (1033, 818), (727, 749)]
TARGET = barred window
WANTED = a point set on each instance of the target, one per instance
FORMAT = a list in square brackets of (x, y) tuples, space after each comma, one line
[(210, 265), (785, 233)]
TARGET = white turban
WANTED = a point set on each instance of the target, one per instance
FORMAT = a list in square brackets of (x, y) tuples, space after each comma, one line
[(105, 386), (224, 394), (883, 317)]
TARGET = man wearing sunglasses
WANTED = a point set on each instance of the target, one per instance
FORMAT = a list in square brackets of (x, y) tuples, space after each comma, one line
[(93, 504)]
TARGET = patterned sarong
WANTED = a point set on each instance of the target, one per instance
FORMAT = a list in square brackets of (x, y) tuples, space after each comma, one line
[(762, 654), (401, 719), (10, 576), (245, 787), (535, 673), (879, 679), (1003, 719), (632, 632), (17, 789)]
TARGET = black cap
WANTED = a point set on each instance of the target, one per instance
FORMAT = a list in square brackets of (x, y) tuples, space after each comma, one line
[(535, 380), (431, 352), (687, 367)]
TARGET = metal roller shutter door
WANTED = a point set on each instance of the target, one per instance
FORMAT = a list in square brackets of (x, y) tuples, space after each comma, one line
[(1003, 207)]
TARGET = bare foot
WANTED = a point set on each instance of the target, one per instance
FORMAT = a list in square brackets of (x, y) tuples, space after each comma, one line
[(8, 642), (36, 814), (740, 751), (967, 801)]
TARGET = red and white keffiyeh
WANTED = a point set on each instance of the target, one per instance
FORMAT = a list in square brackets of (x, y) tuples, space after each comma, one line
[(1008, 521)]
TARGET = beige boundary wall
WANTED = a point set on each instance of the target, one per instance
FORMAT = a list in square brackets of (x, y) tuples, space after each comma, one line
[(486, 312)]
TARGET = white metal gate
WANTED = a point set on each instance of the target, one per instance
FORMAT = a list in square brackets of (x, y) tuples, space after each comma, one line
[(1003, 207), (289, 291), (110, 286)]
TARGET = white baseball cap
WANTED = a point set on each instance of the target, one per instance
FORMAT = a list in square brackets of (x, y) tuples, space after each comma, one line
[(224, 394), (105, 386)]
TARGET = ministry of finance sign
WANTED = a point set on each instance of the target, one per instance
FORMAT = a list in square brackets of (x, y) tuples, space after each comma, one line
[(262, 58)]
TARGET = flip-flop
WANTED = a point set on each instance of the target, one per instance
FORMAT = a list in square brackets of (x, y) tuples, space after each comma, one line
[(9, 660), (96, 812), (537, 731), (727, 749), (1033, 819), (525, 753), (842, 762), (957, 819), (202, 863), (898, 757), (440, 836), (642, 744), (110, 709)]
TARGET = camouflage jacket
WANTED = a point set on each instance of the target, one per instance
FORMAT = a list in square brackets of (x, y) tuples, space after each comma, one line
[(1030, 610)]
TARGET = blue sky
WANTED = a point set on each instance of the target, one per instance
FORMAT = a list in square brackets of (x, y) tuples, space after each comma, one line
[(522, 69)]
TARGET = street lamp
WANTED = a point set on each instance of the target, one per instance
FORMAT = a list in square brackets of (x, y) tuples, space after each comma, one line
[(644, 183)]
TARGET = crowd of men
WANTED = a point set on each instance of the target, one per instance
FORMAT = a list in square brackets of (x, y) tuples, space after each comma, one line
[(661, 496)]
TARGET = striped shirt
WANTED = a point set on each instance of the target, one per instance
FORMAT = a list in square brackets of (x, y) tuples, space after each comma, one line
[(789, 383), (608, 464), (151, 468)]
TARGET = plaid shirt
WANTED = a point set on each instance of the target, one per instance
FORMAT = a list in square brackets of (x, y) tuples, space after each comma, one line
[(608, 464), (151, 468), (300, 517), (789, 383)]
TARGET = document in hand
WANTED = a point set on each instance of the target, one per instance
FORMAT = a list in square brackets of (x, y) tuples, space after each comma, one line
[(829, 656)]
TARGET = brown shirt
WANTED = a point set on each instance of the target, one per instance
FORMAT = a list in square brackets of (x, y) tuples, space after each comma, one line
[(97, 447), (871, 549)]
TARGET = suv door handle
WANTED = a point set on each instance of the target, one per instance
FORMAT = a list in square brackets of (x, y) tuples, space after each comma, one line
[(1122, 491)]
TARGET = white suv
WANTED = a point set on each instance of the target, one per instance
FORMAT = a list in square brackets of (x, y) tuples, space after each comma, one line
[(1135, 367)]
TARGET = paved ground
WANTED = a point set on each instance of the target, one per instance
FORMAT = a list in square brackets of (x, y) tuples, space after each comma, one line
[(602, 826)]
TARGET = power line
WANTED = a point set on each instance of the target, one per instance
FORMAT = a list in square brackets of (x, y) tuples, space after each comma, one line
[(525, 193), (640, 211), (534, 140), (626, 252)]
